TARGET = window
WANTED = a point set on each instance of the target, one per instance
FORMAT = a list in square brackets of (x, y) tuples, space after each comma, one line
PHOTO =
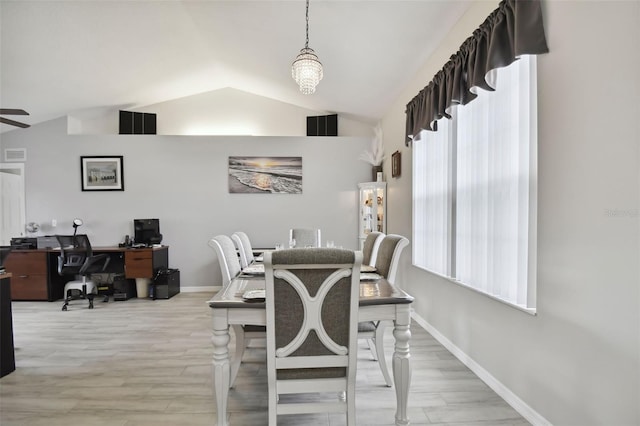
[(474, 190)]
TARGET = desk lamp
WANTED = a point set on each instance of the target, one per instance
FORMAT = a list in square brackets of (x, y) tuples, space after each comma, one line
[(76, 222)]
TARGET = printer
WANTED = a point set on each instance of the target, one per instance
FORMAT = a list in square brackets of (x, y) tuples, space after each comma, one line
[(28, 243), (24, 243)]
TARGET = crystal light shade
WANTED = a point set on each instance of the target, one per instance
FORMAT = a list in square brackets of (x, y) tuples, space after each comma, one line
[(307, 70)]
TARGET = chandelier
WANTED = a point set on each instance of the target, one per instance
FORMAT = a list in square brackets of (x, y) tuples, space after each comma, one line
[(306, 70)]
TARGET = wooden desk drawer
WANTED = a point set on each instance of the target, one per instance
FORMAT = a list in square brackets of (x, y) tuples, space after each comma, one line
[(25, 263), (29, 287), (29, 269), (138, 264)]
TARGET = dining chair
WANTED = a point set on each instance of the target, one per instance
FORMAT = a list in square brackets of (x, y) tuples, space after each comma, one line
[(370, 248), (312, 314), (305, 237), (230, 268), (245, 250), (386, 264), (369, 254)]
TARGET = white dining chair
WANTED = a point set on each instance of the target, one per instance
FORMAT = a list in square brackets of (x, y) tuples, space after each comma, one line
[(386, 264), (370, 248), (312, 301), (230, 268), (245, 251), (305, 237)]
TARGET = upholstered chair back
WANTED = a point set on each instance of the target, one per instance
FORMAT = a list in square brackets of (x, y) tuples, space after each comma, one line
[(227, 257), (389, 255), (370, 248), (243, 244), (305, 237)]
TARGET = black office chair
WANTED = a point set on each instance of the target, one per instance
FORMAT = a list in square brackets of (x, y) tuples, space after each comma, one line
[(77, 259)]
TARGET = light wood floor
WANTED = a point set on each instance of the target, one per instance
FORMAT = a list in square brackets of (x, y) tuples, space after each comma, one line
[(144, 362)]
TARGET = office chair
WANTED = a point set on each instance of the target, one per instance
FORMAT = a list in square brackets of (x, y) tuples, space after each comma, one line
[(230, 268), (76, 258), (312, 324), (305, 237), (386, 263)]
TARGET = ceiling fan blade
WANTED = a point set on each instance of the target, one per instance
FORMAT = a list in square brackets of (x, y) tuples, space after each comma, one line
[(9, 111), (13, 123)]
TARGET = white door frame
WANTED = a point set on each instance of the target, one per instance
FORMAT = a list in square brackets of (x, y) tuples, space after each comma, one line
[(12, 204)]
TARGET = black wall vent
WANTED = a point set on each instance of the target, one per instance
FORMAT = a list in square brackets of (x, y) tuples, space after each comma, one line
[(137, 123), (322, 125)]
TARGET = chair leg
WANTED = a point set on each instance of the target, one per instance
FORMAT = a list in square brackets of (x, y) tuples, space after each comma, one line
[(351, 406), (88, 296), (273, 407), (379, 344), (372, 348), (239, 352), (66, 301)]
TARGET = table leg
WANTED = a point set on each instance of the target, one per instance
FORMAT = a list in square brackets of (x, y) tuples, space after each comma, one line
[(402, 362), (221, 369)]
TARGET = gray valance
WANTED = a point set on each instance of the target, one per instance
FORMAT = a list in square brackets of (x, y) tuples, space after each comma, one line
[(515, 28)]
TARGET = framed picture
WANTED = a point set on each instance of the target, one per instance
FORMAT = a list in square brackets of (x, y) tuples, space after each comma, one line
[(102, 173), (265, 175), (396, 164)]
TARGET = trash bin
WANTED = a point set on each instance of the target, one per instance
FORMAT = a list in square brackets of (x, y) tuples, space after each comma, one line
[(142, 287)]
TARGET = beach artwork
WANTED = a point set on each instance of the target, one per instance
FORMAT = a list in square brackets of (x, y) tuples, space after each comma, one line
[(265, 175)]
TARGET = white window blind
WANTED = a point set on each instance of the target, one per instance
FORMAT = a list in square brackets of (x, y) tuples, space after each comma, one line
[(432, 185), (474, 199)]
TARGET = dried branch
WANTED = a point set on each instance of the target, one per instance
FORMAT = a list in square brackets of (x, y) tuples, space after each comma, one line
[(376, 154)]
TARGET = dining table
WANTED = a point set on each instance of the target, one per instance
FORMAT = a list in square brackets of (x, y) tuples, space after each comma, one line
[(379, 301)]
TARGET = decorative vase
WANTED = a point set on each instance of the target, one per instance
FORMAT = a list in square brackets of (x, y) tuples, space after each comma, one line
[(375, 170)]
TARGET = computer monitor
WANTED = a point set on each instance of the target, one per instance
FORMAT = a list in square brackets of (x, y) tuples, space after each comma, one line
[(147, 231)]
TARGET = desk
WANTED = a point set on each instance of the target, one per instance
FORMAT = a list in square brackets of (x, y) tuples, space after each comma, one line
[(379, 300), (7, 353), (35, 271)]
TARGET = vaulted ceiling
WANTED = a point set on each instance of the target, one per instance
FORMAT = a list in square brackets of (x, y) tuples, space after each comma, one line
[(63, 57)]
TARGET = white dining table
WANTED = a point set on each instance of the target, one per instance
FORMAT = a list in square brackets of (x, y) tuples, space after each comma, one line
[(379, 300)]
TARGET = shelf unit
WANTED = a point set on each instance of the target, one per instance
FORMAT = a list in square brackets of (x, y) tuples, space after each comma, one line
[(372, 209)]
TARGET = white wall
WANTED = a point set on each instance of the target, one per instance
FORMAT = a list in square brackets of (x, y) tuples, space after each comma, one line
[(225, 111), (183, 181), (578, 361)]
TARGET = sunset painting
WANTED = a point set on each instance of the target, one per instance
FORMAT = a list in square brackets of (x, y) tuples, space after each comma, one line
[(265, 175)]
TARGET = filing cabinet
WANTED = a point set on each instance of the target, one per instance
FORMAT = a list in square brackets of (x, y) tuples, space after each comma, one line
[(30, 278)]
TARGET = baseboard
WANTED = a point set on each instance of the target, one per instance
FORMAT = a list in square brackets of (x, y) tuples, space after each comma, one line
[(505, 393), (201, 289)]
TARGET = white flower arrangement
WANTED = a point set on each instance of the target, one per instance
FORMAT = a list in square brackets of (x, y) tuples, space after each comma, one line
[(376, 154)]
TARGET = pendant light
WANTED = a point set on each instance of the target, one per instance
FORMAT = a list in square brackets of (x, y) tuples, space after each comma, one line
[(306, 70)]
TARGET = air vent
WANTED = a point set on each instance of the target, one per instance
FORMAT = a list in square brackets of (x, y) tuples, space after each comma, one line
[(322, 125), (137, 123), (15, 154)]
